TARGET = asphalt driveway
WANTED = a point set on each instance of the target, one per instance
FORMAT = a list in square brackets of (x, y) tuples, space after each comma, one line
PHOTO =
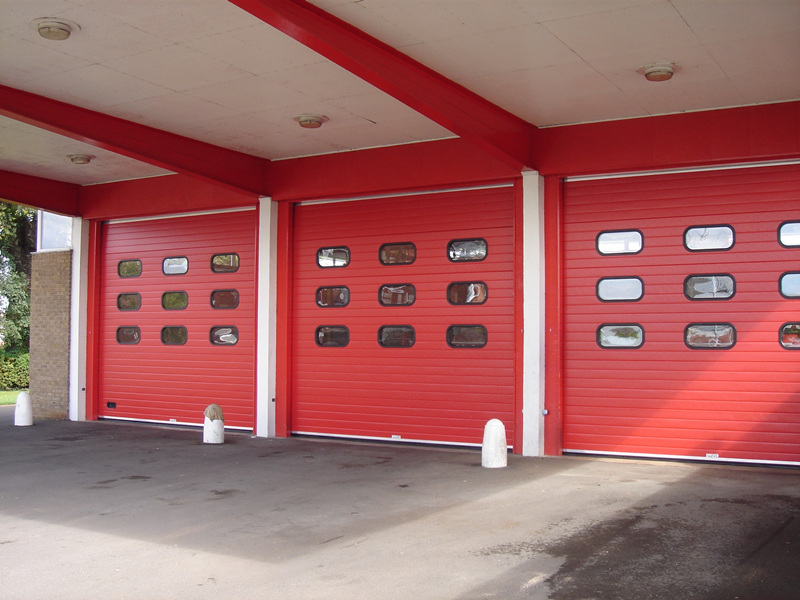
[(115, 510)]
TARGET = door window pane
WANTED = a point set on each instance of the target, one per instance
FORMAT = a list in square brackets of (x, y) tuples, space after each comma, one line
[(396, 336), (789, 234), (175, 265), (397, 294), (333, 296), (225, 263), (620, 289), (790, 285), (128, 335), (337, 336), (224, 335), (790, 336), (131, 301), (710, 335), (398, 254), (224, 299), (619, 242), (620, 335), (467, 336), (174, 300), (129, 268), (174, 336), (709, 287), (333, 257), (467, 292), (716, 237), (467, 250)]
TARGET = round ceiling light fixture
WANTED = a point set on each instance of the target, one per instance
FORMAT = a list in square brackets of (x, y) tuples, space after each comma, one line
[(309, 121), (54, 28), (658, 71), (80, 159)]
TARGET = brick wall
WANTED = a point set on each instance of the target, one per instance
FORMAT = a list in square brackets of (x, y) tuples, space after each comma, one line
[(50, 296)]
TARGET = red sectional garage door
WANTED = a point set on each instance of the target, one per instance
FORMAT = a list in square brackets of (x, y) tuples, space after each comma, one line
[(384, 346), (178, 318), (682, 315)]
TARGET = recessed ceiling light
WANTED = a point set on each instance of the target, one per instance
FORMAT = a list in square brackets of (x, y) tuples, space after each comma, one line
[(658, 71), (309, 121), (54, 28), (80, 159)]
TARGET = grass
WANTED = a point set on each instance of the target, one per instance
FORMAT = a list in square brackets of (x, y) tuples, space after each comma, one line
[(9, 396)]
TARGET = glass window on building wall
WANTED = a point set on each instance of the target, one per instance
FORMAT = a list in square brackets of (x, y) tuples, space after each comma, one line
[(55, 231)]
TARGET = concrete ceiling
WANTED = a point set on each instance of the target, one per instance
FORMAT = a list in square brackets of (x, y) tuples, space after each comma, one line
[(209, 71)]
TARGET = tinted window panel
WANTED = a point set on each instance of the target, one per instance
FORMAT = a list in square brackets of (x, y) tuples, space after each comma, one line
[(337, 336), (333, 296), (174, 336), (790, 336), (620, 242), (396, 336), (710, 335), (467, 336), (467, 292), (128, 335), (225, 263), (129, 268), (174, 300), (619, 289), (398, 254), (717, 237), (467, 250), (622, 335), (333, 257), (224, 299), (129, 301), (397, 294), (790, 285), (224, 335), (175, 265), (709, 287)]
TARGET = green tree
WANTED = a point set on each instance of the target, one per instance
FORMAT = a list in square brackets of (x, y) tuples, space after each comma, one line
[(17, 241)]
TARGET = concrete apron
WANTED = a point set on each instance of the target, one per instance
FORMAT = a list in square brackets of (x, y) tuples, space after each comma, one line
[(113, 510)]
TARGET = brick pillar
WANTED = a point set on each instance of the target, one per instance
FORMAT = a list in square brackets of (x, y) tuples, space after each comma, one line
[(50, 302)]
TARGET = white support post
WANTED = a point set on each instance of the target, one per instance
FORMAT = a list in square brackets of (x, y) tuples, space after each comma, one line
[(533, 314), (267, 317), (77, 320)]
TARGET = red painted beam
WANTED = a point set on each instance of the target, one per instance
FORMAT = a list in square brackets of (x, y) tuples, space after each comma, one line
[(451, 162), (450, 105), (745, 134), (37, 192), (147, 144), (152, 196)]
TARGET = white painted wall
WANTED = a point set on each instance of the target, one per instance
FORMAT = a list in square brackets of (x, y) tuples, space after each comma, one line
[(533, 314), (266, 317)]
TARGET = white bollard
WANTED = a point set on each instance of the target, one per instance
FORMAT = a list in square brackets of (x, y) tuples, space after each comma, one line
[(494, 454), (23, 413), (213, 425)]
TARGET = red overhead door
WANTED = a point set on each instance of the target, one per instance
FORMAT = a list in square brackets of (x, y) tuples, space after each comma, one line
[(178, 318), (403, 317), (682, 315)]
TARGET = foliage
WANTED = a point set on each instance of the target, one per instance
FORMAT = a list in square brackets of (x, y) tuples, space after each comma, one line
[(17, 237), (14, 368), (17, 241), (15, 319)]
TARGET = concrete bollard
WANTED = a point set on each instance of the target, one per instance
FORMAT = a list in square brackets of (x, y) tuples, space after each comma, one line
[(494, 454), (213, 425), (23, 412)]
